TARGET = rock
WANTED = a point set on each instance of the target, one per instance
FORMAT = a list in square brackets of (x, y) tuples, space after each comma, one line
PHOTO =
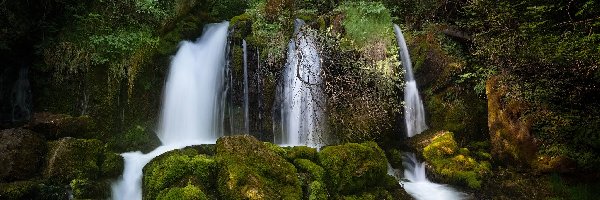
[(90, 189), (188, 192), (250, 170), (451, 164), (55, 126), (510, 127), (21, 154), (71, 158), (171, 173), (352, 168)]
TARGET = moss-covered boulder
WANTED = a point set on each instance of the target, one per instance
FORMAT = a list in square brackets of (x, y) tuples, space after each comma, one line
[(352, 168), (55, 126), (179, 172), (21, 154), (189, 192), (454, 164), (250, 170), (71, 158), (90, 189)]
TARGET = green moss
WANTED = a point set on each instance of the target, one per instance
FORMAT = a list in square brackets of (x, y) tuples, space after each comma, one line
[(189, 192), (71, 158), (18, 190), (280, 151), (177, 168), (351, 168), (453, 163), (250, 170), (366, 22), (302, 152), (112, 166), (88, 189), (317, 172), (317, 191)]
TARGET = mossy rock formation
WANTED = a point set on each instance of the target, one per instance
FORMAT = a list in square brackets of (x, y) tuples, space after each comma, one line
[(180, 173), (55, 126), (249, 170), (21, 154), (352, 168)]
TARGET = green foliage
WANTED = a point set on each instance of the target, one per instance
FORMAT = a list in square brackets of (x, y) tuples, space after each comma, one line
[(454, 163), (189, 192), (352, 168), (367, 23), (18, 190), (177, 168), (576, 191)]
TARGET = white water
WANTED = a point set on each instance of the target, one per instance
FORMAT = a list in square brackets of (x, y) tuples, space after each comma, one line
[(191, 109), (418, 186), (246, 118), (414, 113), (302, 104)]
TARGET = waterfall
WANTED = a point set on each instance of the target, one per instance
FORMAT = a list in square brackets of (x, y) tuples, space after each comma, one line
[(246, 118), (418, 186), (192, 108), (302, 101), (414, 113)]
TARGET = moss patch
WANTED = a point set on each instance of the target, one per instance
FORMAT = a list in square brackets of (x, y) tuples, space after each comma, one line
[(453, 163), (250, 170), (353, 167)]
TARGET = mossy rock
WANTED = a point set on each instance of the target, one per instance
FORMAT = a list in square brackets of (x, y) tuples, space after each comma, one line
[(317, 191), (18, 190), (250, 170), (302, 152), (71, 158), (21, 154), (55, 126), (189, 192), (178, 168), (113, 165), (304, 165), (89, 189), (454, 164), (352, 168)]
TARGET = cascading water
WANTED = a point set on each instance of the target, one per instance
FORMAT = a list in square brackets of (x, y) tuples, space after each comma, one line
[(418, 186), (246, 118), (414, 113), (302, 103), (192, 111), (415, 181)]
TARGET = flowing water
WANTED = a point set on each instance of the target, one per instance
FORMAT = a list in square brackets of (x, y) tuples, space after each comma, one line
[(415, 181), (192, 109), (302, 105), (414, 113), (246, 118)]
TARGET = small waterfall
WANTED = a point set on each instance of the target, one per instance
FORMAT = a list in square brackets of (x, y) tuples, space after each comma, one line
[(302, 101), (21, 101), (192, 108), (418, 186), (414, 113), (246, 120)]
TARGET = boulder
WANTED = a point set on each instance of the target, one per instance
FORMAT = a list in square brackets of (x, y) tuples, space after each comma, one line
[(177, 171), (352, 168), (71, 158), (55, 126), (21, 154), (250, 170)]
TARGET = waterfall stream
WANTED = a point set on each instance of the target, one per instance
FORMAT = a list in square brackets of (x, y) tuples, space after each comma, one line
[(415, 181), (192, 108), (414, 113), (302, 106)]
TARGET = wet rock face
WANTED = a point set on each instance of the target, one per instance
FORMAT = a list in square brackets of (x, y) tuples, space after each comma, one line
[(21, 154)]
